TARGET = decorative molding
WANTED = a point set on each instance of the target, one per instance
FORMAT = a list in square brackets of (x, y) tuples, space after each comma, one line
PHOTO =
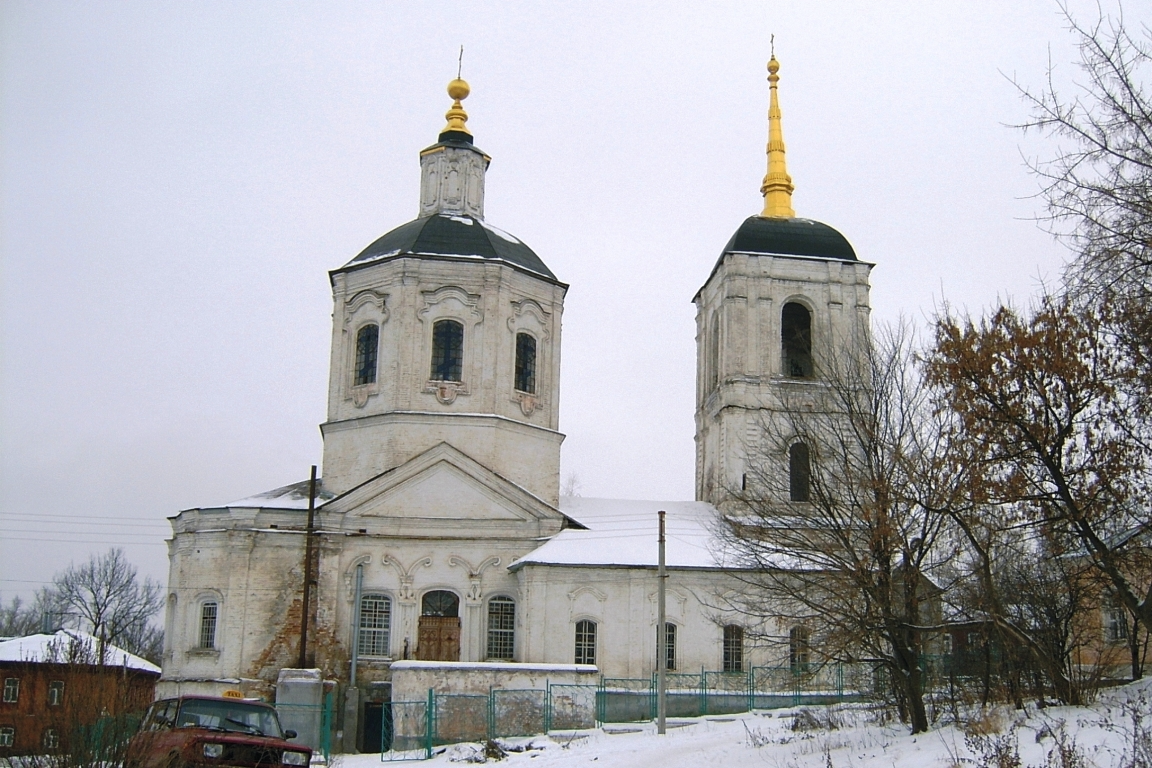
[(366, 297), (475, 574), (529, 404), (446, 391), (574, 594), (350, 573), (406, 594), (469, 304), (532, 308)]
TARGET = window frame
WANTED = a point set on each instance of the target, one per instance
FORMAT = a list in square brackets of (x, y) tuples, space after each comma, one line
[(519, 374), (799, 649), (733, 648), (201, 625), (383, 634), (50, 738), (799, 472), (586, 631), (11, 690), (501, 638), (55, 693), (444, 367), (669, 646), (363, 356), (7, 735), (796, 359)]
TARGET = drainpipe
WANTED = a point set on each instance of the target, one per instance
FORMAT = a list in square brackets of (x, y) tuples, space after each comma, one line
[(356, 623)]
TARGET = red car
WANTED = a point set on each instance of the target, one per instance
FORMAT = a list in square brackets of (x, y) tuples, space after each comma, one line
[(204, 731)]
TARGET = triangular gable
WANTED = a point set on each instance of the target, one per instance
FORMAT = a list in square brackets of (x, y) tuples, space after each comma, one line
[(443, 485)]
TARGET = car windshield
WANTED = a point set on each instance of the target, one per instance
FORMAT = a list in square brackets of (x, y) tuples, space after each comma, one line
[(238, 716)]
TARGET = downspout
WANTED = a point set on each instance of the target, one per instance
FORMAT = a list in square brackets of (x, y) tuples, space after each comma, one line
[(356, 623)]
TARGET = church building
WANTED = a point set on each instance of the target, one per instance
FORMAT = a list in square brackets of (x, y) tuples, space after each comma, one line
[(439, 531)]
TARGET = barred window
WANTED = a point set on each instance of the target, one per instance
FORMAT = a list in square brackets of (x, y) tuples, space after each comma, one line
[(447, 350), (55, 693), (585, 642), (7, 735), (799, 472), (733, 648), (526, 363), (796, 340), (798, 649), (208, 613), (670, 646), (501, 628), (11, 690), (375, 625), (50, 739), (367, 348)]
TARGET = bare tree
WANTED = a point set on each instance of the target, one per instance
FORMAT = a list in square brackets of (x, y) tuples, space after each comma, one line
[(835, 530), (104, 597), (17, 619)]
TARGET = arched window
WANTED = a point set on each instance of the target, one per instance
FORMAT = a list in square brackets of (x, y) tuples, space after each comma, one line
[(585, 642), (367, 346), (375, 625), (670, 647), (209, 613), (447, 350), (526, 363), (733, 648), (501, 628), (798, 650), (796, 341), (799, 472), (440, 603)]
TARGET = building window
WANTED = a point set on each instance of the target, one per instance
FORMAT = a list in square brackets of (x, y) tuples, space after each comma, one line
[(447, 350), (50, 739), (799, 472), (501, 628), (798, 650), (55, 693), (670, 644), (375, 625), (713, 363), (440, 603), (367, 348), (585, 642), (208, 614), (796, 341), (733, 648), (1115, 621), (7, 735), (947, 644), (11, 690), (526, 363)]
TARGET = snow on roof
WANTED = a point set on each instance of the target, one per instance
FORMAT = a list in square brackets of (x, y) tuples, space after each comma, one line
[(67, 646), (293, 496), (625, 532)]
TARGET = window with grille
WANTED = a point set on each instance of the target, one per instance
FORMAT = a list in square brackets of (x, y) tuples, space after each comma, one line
[(585, 642), (1115, 621), (50, 739), (447, 350), (375, 625), (11, 690), (733, 648), (55, 693), (799, 472), (501, 628), (367, 348), (208, 614), (7, 735), (796, 341), (526, 363), (670, 645), (798, 649)]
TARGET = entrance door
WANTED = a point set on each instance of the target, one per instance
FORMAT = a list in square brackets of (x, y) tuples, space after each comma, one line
[(439, 637)]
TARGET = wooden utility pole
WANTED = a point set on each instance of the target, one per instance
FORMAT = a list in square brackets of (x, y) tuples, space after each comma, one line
[(661, 640), (302, 662)]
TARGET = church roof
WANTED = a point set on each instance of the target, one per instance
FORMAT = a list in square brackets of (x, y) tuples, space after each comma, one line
[(789, 237), (294, 496), (453, 236)]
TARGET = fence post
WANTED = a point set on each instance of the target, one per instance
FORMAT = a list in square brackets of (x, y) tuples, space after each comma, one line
[(547, 706), (601, 707), (429, 724)]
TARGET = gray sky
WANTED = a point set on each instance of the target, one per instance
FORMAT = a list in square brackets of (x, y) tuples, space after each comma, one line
[(177, 178)]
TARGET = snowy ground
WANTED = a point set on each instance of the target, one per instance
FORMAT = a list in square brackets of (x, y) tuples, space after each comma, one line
[(1103, 733)]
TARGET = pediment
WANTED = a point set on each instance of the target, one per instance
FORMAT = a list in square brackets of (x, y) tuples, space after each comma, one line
[(440, 487)]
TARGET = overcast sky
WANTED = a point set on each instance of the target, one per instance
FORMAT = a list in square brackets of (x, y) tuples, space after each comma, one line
[(177, 178)]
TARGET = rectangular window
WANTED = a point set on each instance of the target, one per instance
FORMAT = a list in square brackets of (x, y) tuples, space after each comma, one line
[(798, 650), (501, 628), (11, 690), (526, 363), (55, 693), (1115, 622), (585, 642), (50, 739), (733, 648), (7, 735), (375, 625), (670, 647), (208, 614), (947, 644)]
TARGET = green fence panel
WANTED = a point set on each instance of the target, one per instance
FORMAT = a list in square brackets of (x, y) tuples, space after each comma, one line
[(518, 712), (627, 700), (405, 735), (727, 692), (572, 707), (460, 717)]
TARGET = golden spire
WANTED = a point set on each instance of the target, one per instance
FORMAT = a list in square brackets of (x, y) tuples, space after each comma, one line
[(457, 90), (777, 187)]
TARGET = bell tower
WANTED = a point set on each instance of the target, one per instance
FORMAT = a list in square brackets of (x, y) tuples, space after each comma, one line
[(446, 329), (785, 297)]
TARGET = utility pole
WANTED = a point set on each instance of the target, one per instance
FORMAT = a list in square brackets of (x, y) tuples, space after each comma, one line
[(302, 662), (661, 640)]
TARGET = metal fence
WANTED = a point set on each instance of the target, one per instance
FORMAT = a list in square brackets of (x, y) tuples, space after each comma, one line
[(321, 714)]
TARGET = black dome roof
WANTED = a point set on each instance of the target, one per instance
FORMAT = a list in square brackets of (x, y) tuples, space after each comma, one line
[(790, 237), (461, 236)]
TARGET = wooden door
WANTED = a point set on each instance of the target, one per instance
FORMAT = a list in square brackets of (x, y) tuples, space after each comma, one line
[(439, 638)]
